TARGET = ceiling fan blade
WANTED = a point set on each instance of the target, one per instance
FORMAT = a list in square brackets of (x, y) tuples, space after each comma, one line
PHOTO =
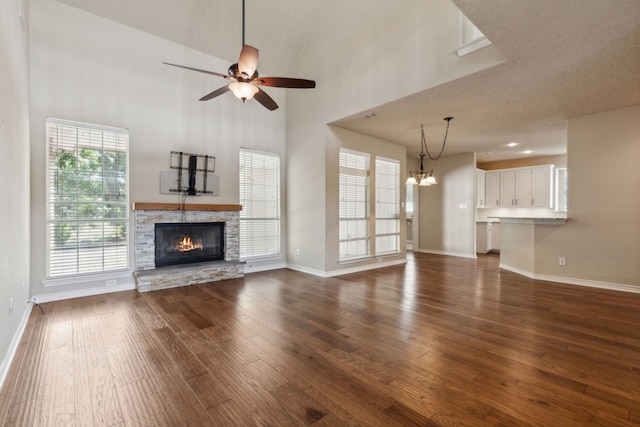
[(213, 73), (285, 82), (248, 62), (264, 99), (217, 92)]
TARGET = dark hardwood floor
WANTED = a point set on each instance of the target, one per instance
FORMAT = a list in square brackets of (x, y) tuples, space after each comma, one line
[(441, 341)]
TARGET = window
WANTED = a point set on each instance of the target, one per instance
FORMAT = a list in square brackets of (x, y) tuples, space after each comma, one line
[(353, 205), (260, 200), (562, 186), (471, 38), (87, 199), (409, 201), (387, 206)]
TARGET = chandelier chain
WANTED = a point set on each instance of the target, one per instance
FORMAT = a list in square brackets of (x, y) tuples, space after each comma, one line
[(424, 142)]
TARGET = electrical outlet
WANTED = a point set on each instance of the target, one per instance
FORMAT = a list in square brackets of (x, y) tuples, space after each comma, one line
[(562, 261), (297, 251), (10, 305), (111, 282)]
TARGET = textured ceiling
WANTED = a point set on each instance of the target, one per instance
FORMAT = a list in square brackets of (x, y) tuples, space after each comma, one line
[(564, 59)]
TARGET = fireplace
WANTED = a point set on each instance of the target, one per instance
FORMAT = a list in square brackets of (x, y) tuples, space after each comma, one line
[(188, 242), (226, 266)]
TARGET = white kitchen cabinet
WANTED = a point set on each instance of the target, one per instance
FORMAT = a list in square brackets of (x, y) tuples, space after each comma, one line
[(542, 186), (495, 236), (517, 187), (492, 189), (523, 187), (507, 188), (480, 193)]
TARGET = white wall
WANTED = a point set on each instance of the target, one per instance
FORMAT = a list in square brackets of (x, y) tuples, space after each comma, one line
[(446, 219), (601, 240), (90, 69), (14, 175), (376, 52)]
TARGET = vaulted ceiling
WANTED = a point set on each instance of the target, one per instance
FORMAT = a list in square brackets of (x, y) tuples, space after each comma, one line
[(565, 59)]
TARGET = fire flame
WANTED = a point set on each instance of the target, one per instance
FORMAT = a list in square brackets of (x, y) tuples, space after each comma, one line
[(187, 245)]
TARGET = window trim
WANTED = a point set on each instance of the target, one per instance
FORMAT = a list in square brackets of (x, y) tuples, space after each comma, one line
[(561, 190), (476, 42)]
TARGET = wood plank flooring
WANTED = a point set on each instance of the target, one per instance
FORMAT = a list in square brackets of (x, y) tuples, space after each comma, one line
[(441, 341)]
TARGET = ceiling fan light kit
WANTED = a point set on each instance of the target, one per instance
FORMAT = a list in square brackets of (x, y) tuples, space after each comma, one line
[(243, 90), (246, 80), (421, 176)]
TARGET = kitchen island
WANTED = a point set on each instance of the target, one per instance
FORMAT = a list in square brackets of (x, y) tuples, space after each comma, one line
[(518, 242)]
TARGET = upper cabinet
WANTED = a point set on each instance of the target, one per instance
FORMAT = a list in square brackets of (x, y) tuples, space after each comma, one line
[(519, 187), (542, 186), (508, 188), (492, 189)]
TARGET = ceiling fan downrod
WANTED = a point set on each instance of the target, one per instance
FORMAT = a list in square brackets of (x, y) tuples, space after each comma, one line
[(242, 22)]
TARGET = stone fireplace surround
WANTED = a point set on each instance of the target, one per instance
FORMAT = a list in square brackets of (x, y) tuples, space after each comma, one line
[(150, 278)]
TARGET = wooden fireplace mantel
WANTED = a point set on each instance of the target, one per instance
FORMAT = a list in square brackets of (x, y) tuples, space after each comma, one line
[(143, 206)]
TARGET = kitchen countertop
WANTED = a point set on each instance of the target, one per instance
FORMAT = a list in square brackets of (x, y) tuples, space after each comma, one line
[(535, 221)]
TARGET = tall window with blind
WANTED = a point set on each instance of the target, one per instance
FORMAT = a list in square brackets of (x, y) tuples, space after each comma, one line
[(387, 206), (354, 205), (87, 199), (260, 200)]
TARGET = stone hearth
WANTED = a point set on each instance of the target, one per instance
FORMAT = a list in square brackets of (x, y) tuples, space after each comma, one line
[(149, 278)]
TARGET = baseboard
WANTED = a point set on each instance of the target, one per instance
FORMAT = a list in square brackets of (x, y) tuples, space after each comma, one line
[(306, 270), (516, 270), (447, 253), (15, 342), (349, 270), (574, 281), (58, 296)]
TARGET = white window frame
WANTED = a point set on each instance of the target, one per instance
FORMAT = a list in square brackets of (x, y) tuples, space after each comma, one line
[(95, 227), (260, 217), (471, 38), (387, 209), (354, 241), (561, 190)]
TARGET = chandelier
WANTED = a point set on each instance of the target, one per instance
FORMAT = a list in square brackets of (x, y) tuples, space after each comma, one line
[(425, 177)]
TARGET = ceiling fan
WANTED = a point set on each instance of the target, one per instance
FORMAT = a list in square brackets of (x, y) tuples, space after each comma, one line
[(246, 80)]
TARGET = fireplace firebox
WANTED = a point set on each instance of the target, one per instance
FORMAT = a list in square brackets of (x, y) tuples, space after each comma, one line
[(184, 243)]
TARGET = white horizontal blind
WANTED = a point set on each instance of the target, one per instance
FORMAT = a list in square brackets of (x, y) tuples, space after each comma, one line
[(354, 205), (87, 199), (260, 200), (387, 206)]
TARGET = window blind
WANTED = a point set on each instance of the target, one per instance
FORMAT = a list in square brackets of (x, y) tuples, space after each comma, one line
[(87, 199), (260, 200), (387, 206), (353, 205)]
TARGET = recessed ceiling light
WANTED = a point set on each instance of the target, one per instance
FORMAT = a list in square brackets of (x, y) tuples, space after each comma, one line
[(528, 152), (512, 144)]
